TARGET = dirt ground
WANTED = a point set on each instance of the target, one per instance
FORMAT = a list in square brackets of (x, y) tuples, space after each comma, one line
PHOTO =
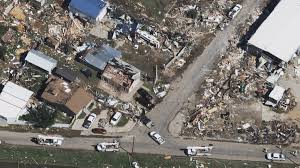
[(153, 10)]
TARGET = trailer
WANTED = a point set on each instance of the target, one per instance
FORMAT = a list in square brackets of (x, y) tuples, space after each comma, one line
[(49, 140), (108, 146), (199, 150)]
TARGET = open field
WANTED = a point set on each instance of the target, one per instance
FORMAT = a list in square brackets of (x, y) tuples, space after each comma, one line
[(37, 157)]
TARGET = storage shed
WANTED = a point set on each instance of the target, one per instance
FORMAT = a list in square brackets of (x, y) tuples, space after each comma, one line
[(41, 60)]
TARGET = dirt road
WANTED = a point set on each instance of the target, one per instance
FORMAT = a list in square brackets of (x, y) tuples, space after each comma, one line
[(183, 87)]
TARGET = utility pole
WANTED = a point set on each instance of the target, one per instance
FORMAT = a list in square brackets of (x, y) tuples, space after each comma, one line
[(156, 75), (132, 149)]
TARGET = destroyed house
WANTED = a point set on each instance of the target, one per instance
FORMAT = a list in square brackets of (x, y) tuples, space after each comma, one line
[(38, 3), (13, 102), (98, 57), (278, 35), (92, 10), (121, 75), (41, 60), (70, 98)]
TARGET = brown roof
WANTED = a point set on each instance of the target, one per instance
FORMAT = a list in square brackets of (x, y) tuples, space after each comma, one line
[(61, 92), (79, 100), (57, 90)]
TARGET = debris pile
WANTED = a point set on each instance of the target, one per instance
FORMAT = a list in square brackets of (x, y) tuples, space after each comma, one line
[(238, 80)]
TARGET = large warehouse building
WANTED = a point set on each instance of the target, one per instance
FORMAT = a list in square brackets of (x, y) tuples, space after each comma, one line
[(279, 34)]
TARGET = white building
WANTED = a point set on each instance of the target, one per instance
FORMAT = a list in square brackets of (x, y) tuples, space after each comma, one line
[(279, 33), (13, 101), (41, 60), (275, 96)]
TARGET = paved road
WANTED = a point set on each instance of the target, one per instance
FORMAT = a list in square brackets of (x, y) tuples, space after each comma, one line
[(164, 112), (143, 144)]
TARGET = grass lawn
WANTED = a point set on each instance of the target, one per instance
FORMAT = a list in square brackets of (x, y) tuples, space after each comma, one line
[(91, 159), (62, 118), (154, 9), (123, 121), (3, 30), (82, 115)]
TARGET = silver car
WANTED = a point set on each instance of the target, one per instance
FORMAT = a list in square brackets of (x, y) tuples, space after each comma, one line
[(275, 156), (234, 11), (157, 138)]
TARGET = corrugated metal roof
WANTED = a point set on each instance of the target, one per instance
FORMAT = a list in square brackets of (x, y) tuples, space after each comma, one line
[(278, 34), (91, 8), (41, 60), (13, 100), (99, 57)]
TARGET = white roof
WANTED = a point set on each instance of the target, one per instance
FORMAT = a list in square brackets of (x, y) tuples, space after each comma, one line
[(279, 33), (13, 100), (277, 93), (41, 60)]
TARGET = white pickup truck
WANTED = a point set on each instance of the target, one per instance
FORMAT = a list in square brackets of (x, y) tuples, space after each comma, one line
[(49, 140), (199, 150), (108, 146)]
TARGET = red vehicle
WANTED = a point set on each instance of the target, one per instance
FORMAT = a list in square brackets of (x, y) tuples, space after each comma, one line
[(99, 131)]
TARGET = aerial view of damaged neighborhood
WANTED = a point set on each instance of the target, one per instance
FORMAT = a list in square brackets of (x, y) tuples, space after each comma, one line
[(149, 83)]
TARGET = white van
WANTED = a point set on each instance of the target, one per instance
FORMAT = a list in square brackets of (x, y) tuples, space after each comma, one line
[(116, 118)]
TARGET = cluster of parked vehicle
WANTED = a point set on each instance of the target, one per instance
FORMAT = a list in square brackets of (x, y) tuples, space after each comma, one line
[(115, 119)]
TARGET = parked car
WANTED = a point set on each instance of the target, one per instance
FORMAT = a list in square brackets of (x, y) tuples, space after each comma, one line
[(116, 118), (234, 11), (275, 156), (99, 131), (157, 138), (89, 120)]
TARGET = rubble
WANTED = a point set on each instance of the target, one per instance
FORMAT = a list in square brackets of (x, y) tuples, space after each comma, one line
[(18, 13), (241, 78), (161, 90), (8, 36)]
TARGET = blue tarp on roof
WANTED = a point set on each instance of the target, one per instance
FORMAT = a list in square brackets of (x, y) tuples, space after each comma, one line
[(90, 8), (99, 57)]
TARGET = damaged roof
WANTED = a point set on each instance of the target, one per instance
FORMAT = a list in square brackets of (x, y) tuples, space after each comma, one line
[(121, 73), (98, 58), (90, 8), (70, 95)]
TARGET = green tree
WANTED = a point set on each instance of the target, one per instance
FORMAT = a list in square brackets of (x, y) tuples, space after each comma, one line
[(41, 117)]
